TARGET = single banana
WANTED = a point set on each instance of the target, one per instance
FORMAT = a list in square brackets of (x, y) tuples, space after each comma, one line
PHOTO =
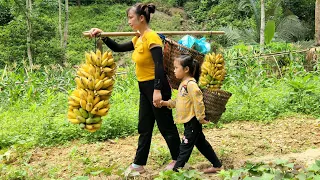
[(89, 127), (105, 56), (84, 113), (89, 107), (104, 63), (71, 115), (96, 119), (103, 112), (96, 126), (83, 103), (77, 112), (106, 97), (85, 82), (85, 74), (109, 54), (79, 83), (90, 99), (76, 93), (103, 92), (91, 84), (96, 100), (75, 99), (110, 62), (81, 119), (92, 70), (73, 103), (99, 105), (93, 58), (83, 94), (99, 85), (107, 70), (107, 83), (74, 121), (89, 121), (102, 75), (88, 58)]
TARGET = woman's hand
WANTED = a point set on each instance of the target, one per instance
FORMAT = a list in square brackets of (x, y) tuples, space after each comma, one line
[(157, 97), (94, 31)]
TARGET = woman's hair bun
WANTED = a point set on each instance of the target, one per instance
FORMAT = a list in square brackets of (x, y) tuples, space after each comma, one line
[(151, 8)]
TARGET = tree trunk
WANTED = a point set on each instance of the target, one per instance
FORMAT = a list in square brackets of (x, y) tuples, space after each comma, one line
[(317, 23), (262, 27), (29, 30), (66, 29), (79, 3), (60, 26)]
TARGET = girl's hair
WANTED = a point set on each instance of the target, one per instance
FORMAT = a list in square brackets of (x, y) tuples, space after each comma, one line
[(144, 10), (194, 67)]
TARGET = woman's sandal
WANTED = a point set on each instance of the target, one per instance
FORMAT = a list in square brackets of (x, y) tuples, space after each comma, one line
[(212, 170)]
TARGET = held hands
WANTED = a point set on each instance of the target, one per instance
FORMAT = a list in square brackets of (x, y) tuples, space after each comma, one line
[(94, 32), (157, 97)]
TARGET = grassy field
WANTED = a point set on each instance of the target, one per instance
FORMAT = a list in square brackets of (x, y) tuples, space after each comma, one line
[(34, 101)]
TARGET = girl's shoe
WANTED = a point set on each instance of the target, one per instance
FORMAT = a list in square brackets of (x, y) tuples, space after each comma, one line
[(212, 170)]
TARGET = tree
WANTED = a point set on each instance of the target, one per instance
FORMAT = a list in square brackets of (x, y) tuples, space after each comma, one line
[(317, 23), (66, 28), (262, 26), (60, 24), (29, 27)]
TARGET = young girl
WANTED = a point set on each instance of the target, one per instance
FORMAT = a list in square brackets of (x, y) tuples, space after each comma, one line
[(191, 112)]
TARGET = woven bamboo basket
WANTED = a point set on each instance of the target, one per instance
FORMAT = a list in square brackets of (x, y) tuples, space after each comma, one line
[(172, 50), (214, 101)]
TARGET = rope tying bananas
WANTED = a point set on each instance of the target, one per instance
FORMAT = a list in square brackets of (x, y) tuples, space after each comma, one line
[(90, 100), (212, 72)]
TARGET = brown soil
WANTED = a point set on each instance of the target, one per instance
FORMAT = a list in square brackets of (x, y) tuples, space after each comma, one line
[(234, 143)]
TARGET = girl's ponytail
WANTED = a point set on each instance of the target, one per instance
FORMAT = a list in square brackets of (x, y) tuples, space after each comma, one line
[(196, 70)]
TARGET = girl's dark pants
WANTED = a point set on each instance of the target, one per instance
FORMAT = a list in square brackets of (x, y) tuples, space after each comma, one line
[(148, 114), (193, 136)]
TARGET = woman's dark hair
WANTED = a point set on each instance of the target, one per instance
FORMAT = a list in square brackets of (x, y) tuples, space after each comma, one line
[(144, 10), (194, 67)]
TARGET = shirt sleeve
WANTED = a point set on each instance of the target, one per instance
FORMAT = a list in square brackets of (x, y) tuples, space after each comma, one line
[(197, 100), (153, 38), (171, 104), (157, 57), (114, 46)]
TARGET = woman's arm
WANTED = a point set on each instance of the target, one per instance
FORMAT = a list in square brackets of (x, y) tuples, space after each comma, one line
[(128, 46), (157, 57), (110, 43)]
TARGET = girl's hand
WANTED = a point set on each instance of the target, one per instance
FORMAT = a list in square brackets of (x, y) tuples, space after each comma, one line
[(204, 121), (94, 32), (163, 103), (157, 97)]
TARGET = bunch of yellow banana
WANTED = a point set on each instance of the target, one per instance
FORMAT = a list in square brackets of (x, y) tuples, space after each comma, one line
[(90, 100), (212, 72)]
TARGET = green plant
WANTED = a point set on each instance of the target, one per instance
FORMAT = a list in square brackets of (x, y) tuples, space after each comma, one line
[(180, 175), (280, 169)]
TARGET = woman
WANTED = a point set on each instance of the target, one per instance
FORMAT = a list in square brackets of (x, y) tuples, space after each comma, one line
[(153, 84)]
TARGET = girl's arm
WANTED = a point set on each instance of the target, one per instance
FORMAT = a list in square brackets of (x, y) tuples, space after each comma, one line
[(128, 46), (170, 103)]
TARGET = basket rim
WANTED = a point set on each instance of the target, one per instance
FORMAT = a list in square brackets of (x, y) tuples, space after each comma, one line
[(173, 42)]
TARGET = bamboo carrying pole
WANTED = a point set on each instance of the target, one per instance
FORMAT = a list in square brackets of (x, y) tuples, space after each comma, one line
[(104, 34)]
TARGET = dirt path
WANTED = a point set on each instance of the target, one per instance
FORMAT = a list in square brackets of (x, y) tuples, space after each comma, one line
[(234, 143)]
